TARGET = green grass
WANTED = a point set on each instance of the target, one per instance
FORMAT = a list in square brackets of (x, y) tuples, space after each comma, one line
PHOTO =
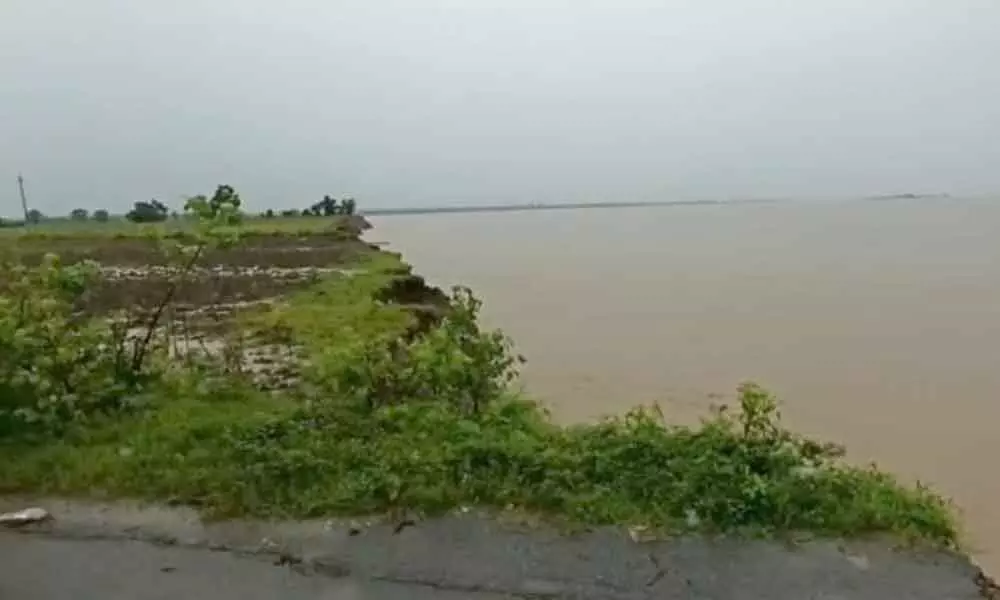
[(385, 421), (241, 454), (122, 228)]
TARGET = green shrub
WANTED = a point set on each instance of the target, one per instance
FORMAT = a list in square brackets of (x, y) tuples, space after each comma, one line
[(56, 369), (237, 456), (455, 363)]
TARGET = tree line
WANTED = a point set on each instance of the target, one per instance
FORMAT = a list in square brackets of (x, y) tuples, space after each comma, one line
[(154, 211)]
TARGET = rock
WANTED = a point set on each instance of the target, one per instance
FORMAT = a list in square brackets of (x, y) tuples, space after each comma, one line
[(859, 561), (640, 534), (24, 517), (691, 517)]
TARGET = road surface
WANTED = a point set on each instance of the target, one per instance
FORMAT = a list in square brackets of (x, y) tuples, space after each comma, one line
[(118, 551)]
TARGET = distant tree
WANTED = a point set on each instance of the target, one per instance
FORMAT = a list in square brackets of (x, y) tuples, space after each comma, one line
[(348, 205), (329, 207), (269, 214), (224, 194), (101, 215), (79, 214), (153, 211), (35, 216), (223, 205), (291, 212)]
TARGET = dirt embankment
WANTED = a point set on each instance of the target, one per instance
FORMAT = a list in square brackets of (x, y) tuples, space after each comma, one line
[(202, 308)]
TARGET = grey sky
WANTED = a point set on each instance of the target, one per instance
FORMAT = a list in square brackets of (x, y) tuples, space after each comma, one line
[(407, 102)]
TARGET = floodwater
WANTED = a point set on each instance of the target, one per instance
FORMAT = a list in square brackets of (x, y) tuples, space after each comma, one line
[(876, 323)]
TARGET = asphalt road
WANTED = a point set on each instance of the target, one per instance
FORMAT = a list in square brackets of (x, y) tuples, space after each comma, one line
[(39, 568), (120, 551)]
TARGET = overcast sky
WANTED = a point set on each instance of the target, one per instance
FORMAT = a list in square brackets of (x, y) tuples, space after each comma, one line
[(411, 102)]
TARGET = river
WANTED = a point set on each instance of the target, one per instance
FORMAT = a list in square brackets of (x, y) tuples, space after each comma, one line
[(876, 323)]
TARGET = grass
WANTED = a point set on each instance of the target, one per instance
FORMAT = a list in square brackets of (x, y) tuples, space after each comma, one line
[(392, 418), (121, 228), (242, 454)]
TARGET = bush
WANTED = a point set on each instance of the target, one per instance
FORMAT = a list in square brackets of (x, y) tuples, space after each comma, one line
[(56, 369), (455, 363), (341, 458)]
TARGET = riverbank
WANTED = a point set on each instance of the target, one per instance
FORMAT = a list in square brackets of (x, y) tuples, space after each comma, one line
[(395, 402)]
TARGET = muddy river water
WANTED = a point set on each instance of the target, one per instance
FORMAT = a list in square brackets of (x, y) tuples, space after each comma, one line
[(876, 323)]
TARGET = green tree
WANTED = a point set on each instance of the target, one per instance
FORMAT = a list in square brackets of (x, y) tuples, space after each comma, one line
[(35, 216), (153, 211), (101, 215), (224, 195), (79, 214), (327, 207), (348, 205)]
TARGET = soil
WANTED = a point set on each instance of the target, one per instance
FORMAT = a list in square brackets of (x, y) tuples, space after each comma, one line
[(136, 276)]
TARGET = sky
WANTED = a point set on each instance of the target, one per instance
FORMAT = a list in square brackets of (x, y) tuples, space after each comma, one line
[(440, 102)]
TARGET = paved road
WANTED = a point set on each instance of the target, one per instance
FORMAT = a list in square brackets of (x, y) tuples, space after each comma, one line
[(38, 568), (119, 551)]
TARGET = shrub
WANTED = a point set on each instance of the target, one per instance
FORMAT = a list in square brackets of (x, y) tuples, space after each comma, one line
[(455, 363), (56, 369)]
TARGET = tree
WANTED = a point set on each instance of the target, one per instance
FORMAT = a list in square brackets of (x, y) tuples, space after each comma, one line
[(224, 194), (101, 215), (222, 208), (269, 214), (79, 214), (153, 211), (35, 216), (330, 207), (348, 205), (291, 212)]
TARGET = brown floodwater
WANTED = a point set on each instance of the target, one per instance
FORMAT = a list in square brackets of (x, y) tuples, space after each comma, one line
[(876, 323)]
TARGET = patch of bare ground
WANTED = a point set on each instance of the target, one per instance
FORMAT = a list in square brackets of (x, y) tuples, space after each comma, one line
[(144, 287)]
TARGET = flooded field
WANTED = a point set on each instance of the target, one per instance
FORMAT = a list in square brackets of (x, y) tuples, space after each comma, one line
[(878, 323)]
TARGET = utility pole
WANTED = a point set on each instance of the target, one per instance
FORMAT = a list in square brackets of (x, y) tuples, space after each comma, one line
[(24, 199)]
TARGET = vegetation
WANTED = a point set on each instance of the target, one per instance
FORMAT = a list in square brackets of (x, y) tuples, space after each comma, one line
[(155, 211), (147, 212), (399, 400), (329, 206)]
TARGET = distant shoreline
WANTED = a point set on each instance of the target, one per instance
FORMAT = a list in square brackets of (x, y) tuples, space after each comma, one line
[(493, 208), (375, 212)]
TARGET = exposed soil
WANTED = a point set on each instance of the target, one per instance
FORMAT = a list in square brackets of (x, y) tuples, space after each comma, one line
[(144, 288), (136, 276), (316, 250)]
